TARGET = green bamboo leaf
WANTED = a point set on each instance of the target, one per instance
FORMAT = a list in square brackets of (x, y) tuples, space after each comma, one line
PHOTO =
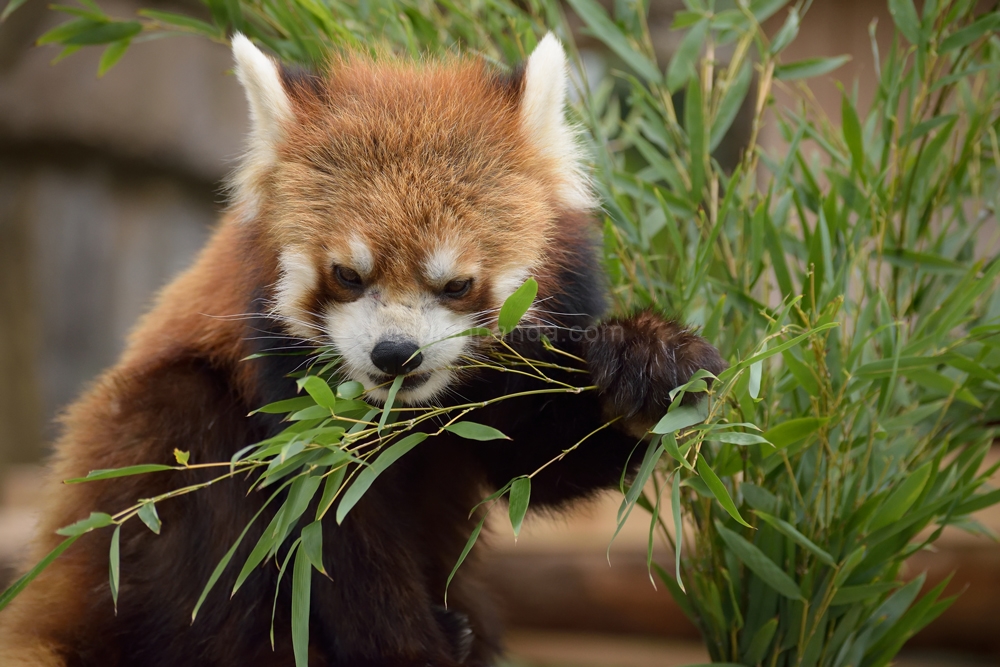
[(15, 589), (330, 489), (793, 431), (725, 375), (681, 417), (758, 563), (802, 373), (265, 545), (104, 33), (9, 9), (313, 412), (228, 556), (675, 509), (114, 565), (350, 390), (741, 439), (761, 641), (64, 31), (319, 390), (516, 305), (789, 30), (979, 502), (694, 124), (670, 445), (683, 63), (811, 67), (149, 516), (719, 490), (288, 405), (985, 25), (474, 431), (905, 16), (300, 494), (730, 105), (851, 128), (765, 9), (901, 499), (119, 472), (301, 590), (389, 400), (863, 593), (922, 128), (465, 552), (312, 544), (789, 531), (756, 371), (95, 520), (368, 476), (112, 54), (520, 493), (601, 26), (181, 21)]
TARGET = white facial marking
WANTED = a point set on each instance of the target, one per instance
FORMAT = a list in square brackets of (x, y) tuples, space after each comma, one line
[(543, 119), (441, 264), (298, 278), (363, 261), (270, 108), (356, 327)]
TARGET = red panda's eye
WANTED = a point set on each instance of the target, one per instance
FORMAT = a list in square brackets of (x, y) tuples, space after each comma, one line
[(348, 277), (457, 288)]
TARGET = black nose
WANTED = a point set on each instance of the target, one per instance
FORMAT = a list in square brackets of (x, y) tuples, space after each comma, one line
[(393, 356)]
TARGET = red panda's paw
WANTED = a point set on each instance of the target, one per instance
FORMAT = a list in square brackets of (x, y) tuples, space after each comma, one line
[(636, 361)]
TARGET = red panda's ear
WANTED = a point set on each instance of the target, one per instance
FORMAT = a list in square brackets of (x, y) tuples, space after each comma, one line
[(270, 110), (543, 118)]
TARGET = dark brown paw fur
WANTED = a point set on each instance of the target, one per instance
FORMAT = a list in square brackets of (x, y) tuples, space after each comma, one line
[(637, 361)]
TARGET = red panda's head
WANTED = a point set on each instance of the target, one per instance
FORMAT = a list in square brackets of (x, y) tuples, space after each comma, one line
[(405, 202)]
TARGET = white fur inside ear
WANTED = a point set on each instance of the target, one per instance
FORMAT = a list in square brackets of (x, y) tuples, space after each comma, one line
[(270, 109), (543, 119)]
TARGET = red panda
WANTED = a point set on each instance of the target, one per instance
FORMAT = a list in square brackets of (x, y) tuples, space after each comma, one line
[(380, 207)]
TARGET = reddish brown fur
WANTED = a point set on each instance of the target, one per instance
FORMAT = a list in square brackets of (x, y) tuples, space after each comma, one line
[(472, 179), (406, 157)]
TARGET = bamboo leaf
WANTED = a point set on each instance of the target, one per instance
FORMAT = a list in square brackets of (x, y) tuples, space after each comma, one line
[(149, 516), (474, 431), (602, 27), (95, 520), (759, 563), (789, 531), (809, 68), (901, 499), (516, 305), (112, 54), (114, 565), (319, 390), (761, 641), (793, 431), (904, 14), (15, 589), (301, 590), (465, 552), (718, 490), (111, 473), (389, 401), (681, 68), (681, 417), (368, 476), (520, 493)]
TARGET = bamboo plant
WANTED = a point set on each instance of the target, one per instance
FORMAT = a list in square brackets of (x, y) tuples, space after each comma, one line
[(850, 277)]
